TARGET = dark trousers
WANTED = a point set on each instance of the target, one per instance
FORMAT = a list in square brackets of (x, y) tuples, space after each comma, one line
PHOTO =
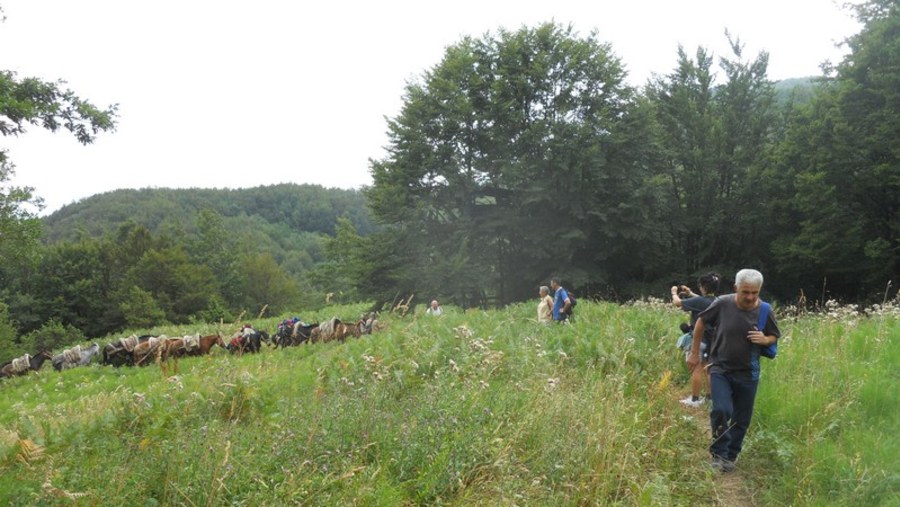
[(732, 408)]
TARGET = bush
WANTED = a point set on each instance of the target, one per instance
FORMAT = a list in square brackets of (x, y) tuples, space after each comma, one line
[(51, 336), (9, 347), (140, 310), (215, 311)]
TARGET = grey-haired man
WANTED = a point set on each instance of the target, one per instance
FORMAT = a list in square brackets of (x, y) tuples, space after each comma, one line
[(733, 363)]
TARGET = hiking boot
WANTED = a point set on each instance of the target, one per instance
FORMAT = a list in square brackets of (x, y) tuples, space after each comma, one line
[(691, 402), (720, 464)]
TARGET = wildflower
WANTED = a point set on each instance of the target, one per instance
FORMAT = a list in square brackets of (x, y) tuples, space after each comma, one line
[(464, 332), (664, 382)]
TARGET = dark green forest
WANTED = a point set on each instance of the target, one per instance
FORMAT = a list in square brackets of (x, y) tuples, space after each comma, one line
[(138, 258), (521, 155)]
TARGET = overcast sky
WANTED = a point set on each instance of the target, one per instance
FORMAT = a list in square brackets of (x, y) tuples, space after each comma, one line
[(240, 94)]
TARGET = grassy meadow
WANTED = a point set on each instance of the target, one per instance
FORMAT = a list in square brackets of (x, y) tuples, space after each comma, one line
[(470, 408)]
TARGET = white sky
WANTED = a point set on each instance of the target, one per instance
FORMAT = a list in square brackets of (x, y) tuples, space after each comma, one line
[(240, 94)]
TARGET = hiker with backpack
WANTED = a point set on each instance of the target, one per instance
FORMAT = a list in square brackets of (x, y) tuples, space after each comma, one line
[(745, 330), (562, 302), (684, 298)]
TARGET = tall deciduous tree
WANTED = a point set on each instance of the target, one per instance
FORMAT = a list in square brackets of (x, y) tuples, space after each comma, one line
[(28, 102), (180, 287), (686, 112), (71, 285), (508, 163), (262, 283), (218, 252), (715, 139), (34, 102)]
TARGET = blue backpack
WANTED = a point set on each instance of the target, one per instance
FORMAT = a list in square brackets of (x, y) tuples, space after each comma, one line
[(769, 351)]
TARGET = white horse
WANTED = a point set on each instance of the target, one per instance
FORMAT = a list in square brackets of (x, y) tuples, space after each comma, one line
[(76, 356)]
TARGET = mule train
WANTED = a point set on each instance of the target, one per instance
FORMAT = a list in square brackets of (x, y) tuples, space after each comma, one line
[(142, 350)]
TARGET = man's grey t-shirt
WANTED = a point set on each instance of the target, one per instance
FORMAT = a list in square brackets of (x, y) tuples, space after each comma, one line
[(731, 350)]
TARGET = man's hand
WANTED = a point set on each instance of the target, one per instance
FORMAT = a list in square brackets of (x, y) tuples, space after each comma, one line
[(758, 337), (693, 361)]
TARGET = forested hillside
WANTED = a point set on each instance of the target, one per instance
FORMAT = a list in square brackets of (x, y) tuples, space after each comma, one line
[(145, 257), (798, 90), (278, 208)]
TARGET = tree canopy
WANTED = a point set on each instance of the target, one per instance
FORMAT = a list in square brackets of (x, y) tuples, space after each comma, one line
[(507, 159), (524, 154)]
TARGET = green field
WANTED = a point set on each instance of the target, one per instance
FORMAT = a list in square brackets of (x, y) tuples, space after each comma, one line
[(471, 408)]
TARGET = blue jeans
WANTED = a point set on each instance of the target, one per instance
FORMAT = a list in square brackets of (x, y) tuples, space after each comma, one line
[(732, 408)]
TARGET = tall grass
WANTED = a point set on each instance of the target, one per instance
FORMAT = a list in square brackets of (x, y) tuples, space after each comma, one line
[(827, 414), (471, 408)]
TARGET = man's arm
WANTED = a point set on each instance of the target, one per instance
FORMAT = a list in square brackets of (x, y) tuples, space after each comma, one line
[(566, 302), (676, 299), (694, 358)]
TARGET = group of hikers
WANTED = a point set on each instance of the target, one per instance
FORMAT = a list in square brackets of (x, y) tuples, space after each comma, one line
[(722, 342), (555, 308)]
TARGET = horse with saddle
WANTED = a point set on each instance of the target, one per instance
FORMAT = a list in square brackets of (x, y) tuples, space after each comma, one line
[(247, 339), (75, 356), (25, 364)]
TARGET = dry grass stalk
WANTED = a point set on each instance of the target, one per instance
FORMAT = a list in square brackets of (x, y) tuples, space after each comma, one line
[(403, 306), (29, 452), (50, 490), (221, 479)]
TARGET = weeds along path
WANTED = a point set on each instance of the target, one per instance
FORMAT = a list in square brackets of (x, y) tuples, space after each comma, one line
[(731, 489)]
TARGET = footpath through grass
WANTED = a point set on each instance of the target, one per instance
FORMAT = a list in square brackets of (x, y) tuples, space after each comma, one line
[(477, 408)]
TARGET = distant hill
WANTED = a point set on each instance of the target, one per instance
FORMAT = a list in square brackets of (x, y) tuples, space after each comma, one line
[(798, 90), (288, 221), (295, 208)]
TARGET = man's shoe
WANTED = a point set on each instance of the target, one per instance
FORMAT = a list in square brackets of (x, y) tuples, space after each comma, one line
[(720, 464), (691, 402)]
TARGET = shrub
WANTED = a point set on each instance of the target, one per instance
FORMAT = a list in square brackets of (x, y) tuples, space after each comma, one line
[(51, 336)]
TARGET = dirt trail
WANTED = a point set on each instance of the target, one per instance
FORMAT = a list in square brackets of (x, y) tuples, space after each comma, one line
[(731, 489)]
